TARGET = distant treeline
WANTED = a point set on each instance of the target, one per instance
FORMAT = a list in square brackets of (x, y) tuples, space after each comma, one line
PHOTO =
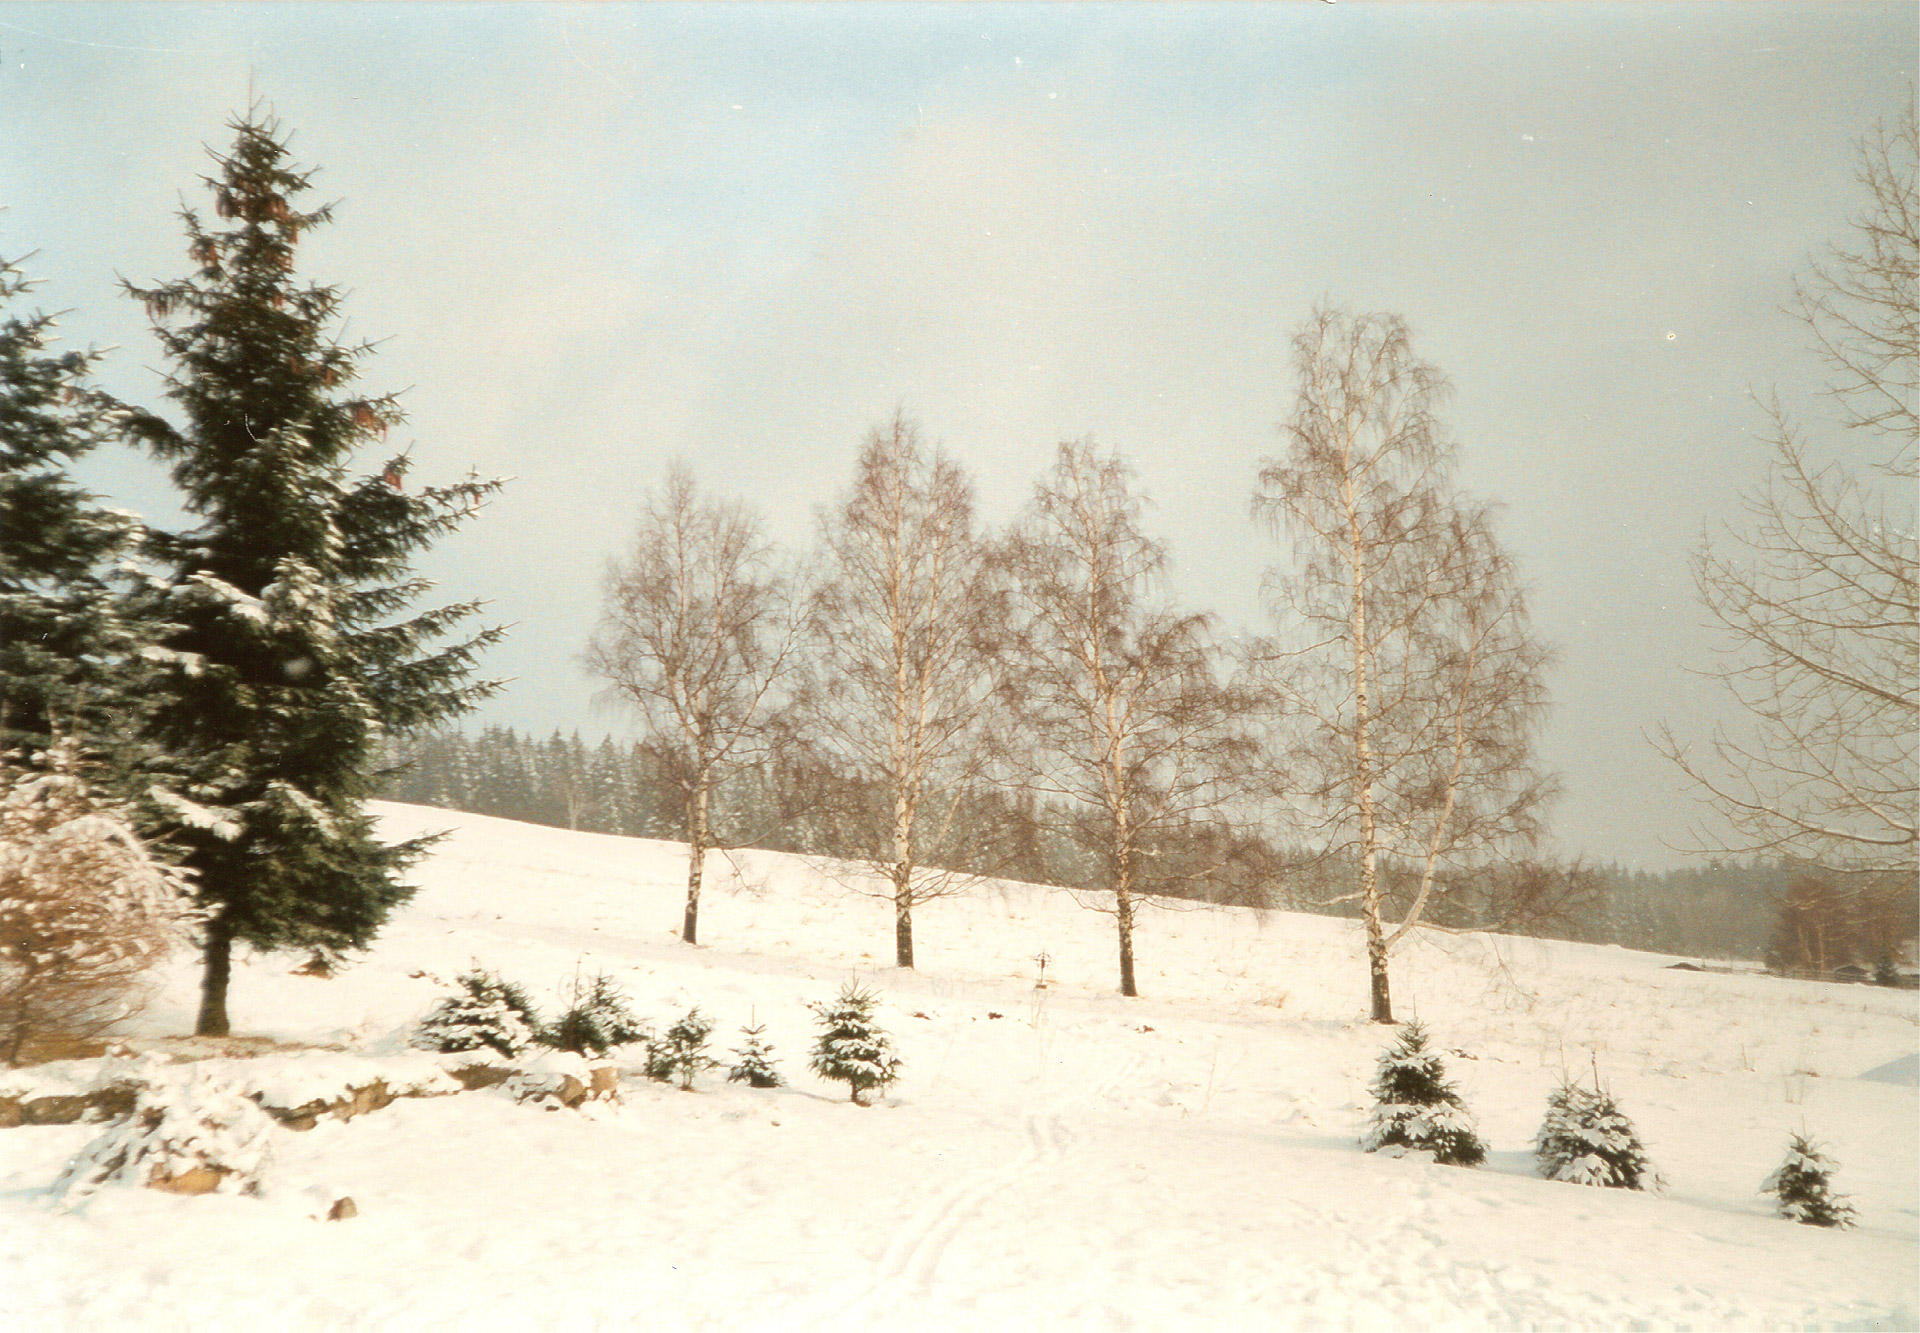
[(1718, 910)]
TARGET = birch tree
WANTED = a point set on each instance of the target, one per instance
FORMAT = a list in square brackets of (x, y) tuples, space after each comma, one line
[(903, 619), (1128, 729), (697, 634), (1406, 653), (1817, 596)]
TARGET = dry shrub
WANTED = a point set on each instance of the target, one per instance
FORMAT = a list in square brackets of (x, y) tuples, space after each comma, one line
[(85, 908)]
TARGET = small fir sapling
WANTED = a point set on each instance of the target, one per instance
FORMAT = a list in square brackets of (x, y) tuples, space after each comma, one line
[(1803, 1184), (754, 1061), (485, 1012), (659, 1062), (597, 1019), (852, 1048), (1416, 1107), (682, 1052), (1585, 1139)]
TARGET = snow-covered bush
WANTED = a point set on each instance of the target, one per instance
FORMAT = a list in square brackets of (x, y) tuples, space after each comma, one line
[(486, 1012), (555, 1080), (85, 908), (598, 1018), (682, 1053), (1415, 1108), (1803, 1185), (1586, 1140), (191, 1135), (852, 1048), (753, 1062)]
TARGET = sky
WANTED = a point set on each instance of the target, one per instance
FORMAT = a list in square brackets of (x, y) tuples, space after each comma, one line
[(591, 239)]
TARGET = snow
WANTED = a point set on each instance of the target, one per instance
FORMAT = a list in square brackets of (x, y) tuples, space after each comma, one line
[(286, 1081), (191, 1119), (67, 1078), (242, 604), (1058, 1157), (1904, 1070), (221, 823)]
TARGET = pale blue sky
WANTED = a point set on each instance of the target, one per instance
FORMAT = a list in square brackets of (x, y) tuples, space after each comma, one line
[(596, 237)]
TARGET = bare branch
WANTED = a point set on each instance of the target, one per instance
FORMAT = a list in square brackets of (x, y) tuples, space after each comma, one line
[(1817, 596)]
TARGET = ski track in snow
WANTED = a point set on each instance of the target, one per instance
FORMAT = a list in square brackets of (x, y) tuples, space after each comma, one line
[(905, 1272)]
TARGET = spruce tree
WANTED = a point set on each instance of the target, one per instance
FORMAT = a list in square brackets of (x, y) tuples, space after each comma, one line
[(1586, 1139), (487, 1010), (1803, 1186), (852, 1048), (753, 1064), (682, 1053), (598, 1018), (1417, 1108), (64, 639), (292, 654)]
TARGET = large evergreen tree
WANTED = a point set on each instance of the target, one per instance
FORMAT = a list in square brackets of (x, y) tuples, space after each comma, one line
[(61, 631), (292, 654)]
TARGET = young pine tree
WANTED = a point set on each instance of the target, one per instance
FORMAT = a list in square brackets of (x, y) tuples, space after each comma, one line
[(64, 639), (598, 1018), (1803, 1185), (852, 1048), (291, 655), (1417, 1108), (1586, 1139), (486, 1011), (682, 1052), (753, 1062)]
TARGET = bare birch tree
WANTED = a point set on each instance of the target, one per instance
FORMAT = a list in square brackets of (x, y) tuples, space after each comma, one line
[(1407, 654), (903, 619), (1131, 733), (1816, 599), (698, 634)]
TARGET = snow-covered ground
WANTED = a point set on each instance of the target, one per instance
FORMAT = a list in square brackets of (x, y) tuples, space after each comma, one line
[(1050, 1158)]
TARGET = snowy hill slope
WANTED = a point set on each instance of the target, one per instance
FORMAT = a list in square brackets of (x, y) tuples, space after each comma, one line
[(1049, 1157)]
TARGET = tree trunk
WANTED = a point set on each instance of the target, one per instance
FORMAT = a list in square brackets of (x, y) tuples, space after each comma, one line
[(1123, 906), (18, 1022), (213, 982), (1122, 874), (16, 1027), (696, 860), (1381, 1001), (902, 914), (1377, 967), (1382, 1005)]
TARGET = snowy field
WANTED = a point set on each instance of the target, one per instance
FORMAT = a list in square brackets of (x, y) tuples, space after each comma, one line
[(1050, 1158)]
